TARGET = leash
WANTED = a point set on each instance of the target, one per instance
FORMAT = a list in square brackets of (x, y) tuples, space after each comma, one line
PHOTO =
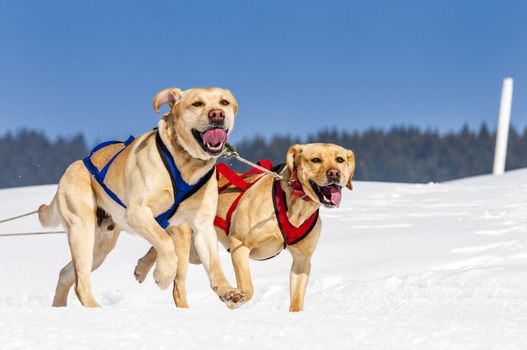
[(26, 233), (38, 233), (19, 216), (230, 152)]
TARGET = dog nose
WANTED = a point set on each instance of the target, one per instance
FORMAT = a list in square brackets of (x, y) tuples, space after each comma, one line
[(333, 174), (216, 116)]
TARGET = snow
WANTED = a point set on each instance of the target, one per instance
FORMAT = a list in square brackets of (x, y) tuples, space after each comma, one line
[(398, 266)]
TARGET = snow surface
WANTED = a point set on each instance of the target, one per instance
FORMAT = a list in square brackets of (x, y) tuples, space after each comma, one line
[(398, 266)]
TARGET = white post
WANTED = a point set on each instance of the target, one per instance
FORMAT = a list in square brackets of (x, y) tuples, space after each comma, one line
[(502, 133)]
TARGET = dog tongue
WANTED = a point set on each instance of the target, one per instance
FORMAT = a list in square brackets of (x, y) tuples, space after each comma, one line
[(215, 137), (333, 192)]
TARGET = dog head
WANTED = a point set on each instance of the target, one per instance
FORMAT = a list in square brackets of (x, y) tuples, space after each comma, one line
[(200, 118), (322, 169)]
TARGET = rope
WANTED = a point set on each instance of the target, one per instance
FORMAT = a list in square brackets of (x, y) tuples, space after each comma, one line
[(26, 233), (18, 216), (31, 233), (231, 152)]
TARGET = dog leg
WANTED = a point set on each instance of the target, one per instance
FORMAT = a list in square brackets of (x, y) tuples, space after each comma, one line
[(81, 237), (76, 204), (105, 241), (206, 244), (182, 237), (194, 256), (141, 220), (145, 264), (299, 277), (66, 280), (103, 246), (240, 261), (85, 263)]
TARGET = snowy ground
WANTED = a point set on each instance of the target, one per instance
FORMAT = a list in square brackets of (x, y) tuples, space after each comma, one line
[(437, 266)]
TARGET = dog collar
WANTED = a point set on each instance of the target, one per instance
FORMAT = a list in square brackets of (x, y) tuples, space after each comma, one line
[(298, 190)]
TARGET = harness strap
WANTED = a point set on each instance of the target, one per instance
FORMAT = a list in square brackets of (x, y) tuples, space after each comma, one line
[(221, 223), (237, 180), (100, 175), (108, 143), (107, 166), (182, 190), (298, 190), (290, 233), (231, 176)]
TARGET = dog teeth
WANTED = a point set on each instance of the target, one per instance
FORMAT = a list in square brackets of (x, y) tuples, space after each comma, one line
[(214, 148)]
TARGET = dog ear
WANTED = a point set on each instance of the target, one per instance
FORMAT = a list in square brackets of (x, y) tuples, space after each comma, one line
[(292, 157), (234, 102), (171, 96), (351, 163)]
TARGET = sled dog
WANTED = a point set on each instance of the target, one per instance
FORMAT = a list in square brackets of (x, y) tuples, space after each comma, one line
[(160, 186)]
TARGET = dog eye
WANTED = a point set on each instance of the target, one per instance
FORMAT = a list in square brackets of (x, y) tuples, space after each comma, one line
[(339, 160), (316, 160), (198, 104), (224, 103)]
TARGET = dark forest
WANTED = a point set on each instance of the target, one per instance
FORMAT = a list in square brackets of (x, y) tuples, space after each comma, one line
[(400, 154)]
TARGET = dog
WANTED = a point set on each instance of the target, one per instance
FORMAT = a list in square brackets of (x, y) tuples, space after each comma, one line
[(134, 186), (272, 215)]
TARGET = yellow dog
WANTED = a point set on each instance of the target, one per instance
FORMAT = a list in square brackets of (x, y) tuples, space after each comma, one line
[(271, 215), (135, 187)]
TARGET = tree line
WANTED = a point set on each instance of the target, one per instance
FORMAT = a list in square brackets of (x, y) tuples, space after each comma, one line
[(403, 154), (29, 157), (399, 154)]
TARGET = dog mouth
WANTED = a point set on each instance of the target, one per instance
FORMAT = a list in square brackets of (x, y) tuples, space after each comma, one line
[(212, 140), (329, 195)]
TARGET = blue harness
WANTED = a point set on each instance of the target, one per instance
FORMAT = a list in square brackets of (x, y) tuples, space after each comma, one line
[(182, 190)]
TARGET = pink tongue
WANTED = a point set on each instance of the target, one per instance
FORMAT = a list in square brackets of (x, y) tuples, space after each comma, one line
[(335, 196), (215, 137)]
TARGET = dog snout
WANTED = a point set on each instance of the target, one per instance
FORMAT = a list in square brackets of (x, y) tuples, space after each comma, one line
[(216, 116), (333, 175)]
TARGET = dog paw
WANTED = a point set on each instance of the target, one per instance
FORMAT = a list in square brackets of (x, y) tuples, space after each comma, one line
[(163, 280), (140, 273), (165, 272), (93, 304), (232, 297)]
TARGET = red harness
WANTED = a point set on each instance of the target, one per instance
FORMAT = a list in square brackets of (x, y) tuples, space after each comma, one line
[(290, 233)]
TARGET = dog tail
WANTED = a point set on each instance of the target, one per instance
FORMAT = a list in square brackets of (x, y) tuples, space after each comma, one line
[(48, 214)]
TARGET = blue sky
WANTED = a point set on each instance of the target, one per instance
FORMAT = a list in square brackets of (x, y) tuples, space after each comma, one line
[(295, 67)]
